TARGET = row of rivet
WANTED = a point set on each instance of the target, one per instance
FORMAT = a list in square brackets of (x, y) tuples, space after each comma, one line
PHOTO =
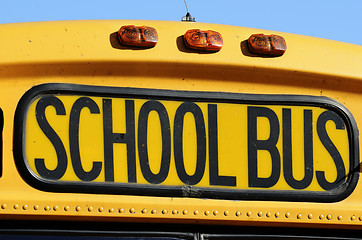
[(299, 216), (184, 212)]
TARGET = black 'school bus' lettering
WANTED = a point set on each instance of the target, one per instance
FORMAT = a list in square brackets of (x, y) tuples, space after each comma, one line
[(110, 138), (142, 142), (83, 102), (332, 150), (215, 178), (53, 137), (287, 150), (269, 145), (254, 145), (254, 114), (201, 143)]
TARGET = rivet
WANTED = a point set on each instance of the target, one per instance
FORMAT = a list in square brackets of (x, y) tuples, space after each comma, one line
[(174, 212), (144, 211), (277, 214), (25, 207), (268, 214), (77, 209), (206, 213), (196, 212), (287, 215), (321, 217), (154, 211), (248, 214), (339, 217), (55, 208), (184, 212), (226, 213), (238, 214), (90, 209), (299, 216), (16, 206), (215, 212), (66, 208), (310, 216), (46, 208), (353, 218), (329, 216), (132, 210), (121, 210), (36, 207), (3, 206), (100, 209), (260, 214), (164, 211), (111, 210)]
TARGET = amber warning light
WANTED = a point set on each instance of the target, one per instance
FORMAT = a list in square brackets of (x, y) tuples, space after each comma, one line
[(203, 40), (142, 36), (270, 45)]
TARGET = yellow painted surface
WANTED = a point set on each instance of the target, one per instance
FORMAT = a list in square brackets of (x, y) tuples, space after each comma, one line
[(88, 53)]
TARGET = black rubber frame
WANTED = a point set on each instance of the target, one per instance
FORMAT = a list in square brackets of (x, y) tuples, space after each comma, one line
[(184, 191)]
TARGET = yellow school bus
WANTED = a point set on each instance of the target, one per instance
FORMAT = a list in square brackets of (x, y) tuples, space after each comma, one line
[(129, 129)]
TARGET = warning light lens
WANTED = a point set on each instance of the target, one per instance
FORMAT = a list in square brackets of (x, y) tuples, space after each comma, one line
[(203, 40), (269, 45), (143, 36)]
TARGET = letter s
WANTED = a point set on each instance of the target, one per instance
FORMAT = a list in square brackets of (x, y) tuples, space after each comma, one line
[(43, 171), (332, 150)]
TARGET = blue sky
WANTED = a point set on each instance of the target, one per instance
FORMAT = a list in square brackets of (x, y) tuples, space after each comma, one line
[(336, 19)]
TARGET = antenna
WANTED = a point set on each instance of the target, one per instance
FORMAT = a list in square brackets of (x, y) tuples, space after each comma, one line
[(188, 17), (187, 9)]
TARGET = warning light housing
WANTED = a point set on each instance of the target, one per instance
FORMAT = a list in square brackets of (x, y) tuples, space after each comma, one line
[(203, 40), (142, 36), (269, 45)]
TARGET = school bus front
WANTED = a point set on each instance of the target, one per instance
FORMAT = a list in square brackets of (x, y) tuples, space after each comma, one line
[(188, 124)]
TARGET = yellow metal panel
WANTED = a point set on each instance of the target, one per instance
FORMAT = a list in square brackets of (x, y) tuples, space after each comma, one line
[(88, 53)]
